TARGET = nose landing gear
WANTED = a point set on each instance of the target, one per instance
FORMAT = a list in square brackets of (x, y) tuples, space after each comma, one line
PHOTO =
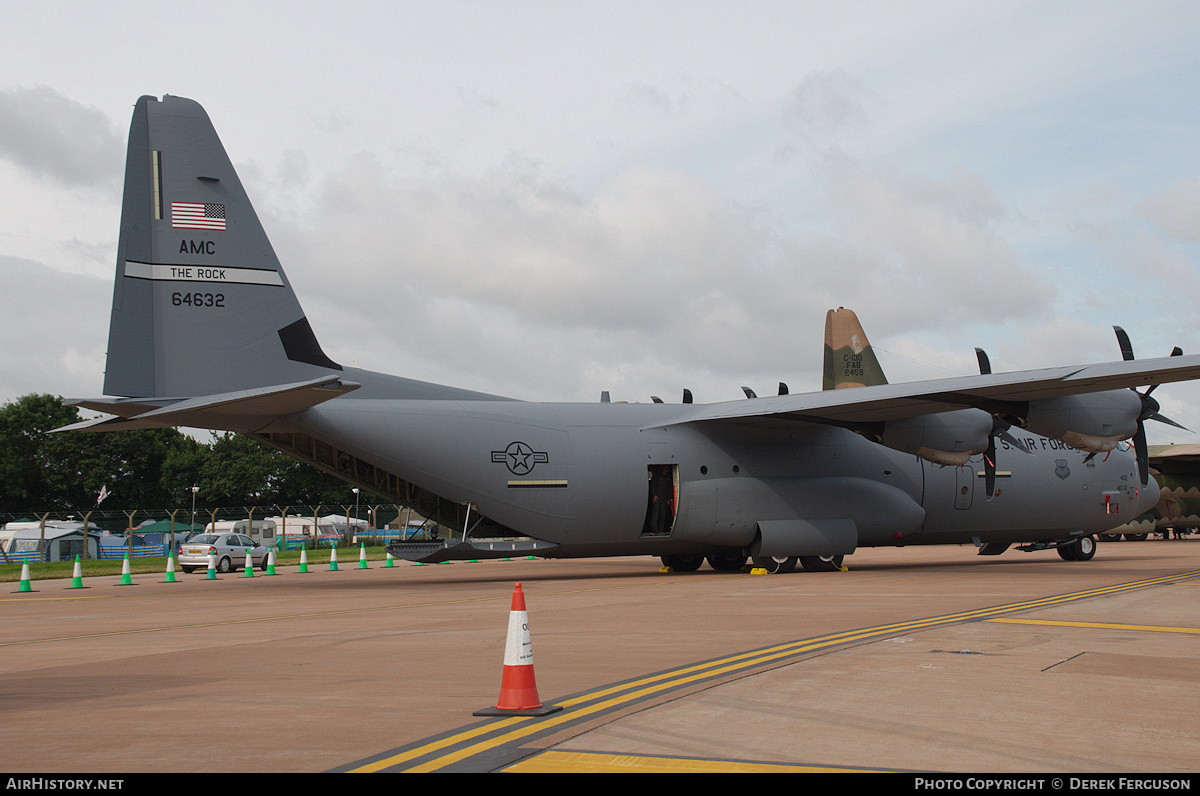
[(1081, 549)]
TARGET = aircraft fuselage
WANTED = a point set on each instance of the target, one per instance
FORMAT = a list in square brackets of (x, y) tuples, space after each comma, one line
[(581, 476)]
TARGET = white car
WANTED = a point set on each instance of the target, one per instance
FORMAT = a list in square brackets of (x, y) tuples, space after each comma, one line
[(228, 549)]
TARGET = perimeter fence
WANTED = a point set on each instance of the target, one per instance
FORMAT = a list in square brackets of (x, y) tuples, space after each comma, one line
[(147, 533)]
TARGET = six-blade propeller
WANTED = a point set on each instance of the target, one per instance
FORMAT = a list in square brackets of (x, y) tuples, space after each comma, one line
[(999, 429), (1149, 411)]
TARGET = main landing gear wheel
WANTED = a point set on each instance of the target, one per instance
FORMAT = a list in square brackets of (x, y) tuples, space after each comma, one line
[(727, 562), (1082, 549), (822, 563), (682, 563), (776, 564)]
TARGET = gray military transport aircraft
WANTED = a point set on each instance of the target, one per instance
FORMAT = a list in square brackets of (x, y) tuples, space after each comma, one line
[(206, 332)]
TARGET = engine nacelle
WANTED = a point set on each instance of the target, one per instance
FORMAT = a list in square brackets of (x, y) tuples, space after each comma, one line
[(1094, 422), (950, 438)]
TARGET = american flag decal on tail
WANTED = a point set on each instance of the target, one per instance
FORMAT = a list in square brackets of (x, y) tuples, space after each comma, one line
[(197, 215)]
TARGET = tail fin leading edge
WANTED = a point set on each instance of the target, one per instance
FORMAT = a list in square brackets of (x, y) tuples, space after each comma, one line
[(201, 304), (849, 359)]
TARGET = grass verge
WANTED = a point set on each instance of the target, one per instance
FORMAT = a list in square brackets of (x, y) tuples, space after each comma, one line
[(92, 568)]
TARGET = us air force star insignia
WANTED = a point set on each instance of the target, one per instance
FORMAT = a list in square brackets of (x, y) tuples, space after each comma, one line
[(519, 458)]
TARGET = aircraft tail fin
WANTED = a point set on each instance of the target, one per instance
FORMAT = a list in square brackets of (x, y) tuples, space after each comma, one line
[(849, 359), (201, 305)]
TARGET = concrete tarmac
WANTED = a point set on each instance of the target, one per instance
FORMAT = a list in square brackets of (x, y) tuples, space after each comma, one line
[(949, 662)]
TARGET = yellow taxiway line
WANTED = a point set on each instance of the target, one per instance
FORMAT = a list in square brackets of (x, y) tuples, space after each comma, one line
[(601, 763), (480, 739)]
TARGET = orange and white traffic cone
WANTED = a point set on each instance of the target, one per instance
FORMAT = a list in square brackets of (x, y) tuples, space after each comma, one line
[(518, 688)]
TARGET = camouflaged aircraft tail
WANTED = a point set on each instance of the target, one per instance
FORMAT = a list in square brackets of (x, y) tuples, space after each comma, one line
[(849, 360), (201, 305)]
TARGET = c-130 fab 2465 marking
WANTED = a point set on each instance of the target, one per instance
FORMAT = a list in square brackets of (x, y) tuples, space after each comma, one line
[(207, 332)]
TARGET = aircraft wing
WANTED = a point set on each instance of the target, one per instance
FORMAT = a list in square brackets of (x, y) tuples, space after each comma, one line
[(1185, 452), (995, 393)]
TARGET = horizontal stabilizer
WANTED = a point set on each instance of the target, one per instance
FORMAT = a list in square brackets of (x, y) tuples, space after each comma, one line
[(244, 410), (123, 407)]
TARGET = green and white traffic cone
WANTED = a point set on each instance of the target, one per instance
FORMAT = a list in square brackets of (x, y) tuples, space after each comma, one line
[(271, 563), (390, 563), (212, 567), (25, 578), (77, 576), (333, 567), (126, 574), (303, 559), (170, 576), (362, 556), (249, 566)]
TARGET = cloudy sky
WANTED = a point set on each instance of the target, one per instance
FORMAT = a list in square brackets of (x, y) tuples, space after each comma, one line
[(547, 199)]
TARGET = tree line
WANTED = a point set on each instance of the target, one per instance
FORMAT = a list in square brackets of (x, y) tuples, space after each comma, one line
[(148, 469)]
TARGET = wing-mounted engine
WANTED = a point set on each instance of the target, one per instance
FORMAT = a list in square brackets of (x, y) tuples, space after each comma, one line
[(949, 438), (1095, 422)]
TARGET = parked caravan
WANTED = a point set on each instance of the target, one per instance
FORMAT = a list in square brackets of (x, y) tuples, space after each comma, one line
[(292, 531), (62, 541), (261, 531)]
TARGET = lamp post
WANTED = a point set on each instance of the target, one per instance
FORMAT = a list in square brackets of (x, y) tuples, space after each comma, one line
[(194, 489)]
